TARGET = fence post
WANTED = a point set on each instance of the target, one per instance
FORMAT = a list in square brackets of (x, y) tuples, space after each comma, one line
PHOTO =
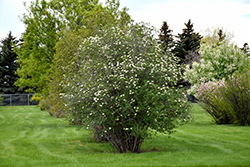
[(10, 100), (28, 99)]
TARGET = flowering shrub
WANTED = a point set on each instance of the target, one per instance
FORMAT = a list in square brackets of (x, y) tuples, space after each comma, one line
[(121, 83), (236, 97), (227, 101), (217, 63), (210, 98)]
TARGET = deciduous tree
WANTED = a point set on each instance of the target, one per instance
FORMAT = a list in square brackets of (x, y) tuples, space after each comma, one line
[(215, 35), (45, 23), (70, 41), (217, 63)]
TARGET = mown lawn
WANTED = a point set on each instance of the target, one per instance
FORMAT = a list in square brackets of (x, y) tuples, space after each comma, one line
[(30, 137)]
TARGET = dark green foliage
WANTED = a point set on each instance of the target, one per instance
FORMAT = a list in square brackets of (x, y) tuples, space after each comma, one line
[(187, 41), (8, 66), (166, 37)]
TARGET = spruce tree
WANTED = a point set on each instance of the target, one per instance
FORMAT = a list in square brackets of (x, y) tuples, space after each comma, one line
[(166, 37), (221, 35), (8, 65), (187, 41), (246, 49)]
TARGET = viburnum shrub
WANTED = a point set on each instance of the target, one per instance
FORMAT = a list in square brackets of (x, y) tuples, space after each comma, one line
[(122, 84), (227, 101)]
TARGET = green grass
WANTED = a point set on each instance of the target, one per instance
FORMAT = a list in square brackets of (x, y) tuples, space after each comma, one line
[(30, 137)]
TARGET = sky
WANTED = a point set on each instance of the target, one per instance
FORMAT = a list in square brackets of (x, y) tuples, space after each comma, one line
[(232, 15)]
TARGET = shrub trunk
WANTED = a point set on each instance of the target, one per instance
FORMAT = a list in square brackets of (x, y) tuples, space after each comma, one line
[(124, 140)]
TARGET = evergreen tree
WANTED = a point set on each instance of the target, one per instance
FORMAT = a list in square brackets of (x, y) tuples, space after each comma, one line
[(166, 37), (221, 35), (8, 65), (187, 41), (246, 49)]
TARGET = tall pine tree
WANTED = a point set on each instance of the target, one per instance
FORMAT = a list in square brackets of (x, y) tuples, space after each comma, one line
[(166, 37), (8, 66), (187, 41)]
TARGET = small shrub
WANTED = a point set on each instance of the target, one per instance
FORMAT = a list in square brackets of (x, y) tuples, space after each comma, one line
[(43, 104), (56, 106), (53, 104)]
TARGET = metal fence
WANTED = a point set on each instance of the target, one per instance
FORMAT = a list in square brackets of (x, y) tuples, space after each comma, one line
[(17, 100)]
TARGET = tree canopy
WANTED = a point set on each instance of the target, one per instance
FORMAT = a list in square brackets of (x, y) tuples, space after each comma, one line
[(217, 63), (70, 40), (215, 35), (45, 23)]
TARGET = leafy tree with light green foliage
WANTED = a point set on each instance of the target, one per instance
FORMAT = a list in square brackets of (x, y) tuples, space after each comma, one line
[(217, 63), (121, 82), (215, 35), (45, 23), (37, 50), (67, 46)]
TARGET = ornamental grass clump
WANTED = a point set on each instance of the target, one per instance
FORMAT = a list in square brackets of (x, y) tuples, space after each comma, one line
[(227, 101), (122, 84)]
